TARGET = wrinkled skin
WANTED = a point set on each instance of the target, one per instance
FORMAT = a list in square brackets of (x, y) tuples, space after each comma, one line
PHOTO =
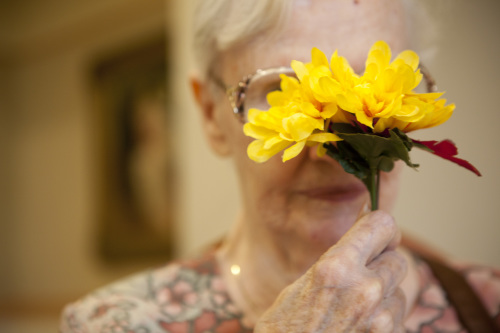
[(353, 287)]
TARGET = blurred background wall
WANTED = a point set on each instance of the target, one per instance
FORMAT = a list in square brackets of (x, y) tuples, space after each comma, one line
[(48, 166)]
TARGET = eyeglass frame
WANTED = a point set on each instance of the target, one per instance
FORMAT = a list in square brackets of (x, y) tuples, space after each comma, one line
[(237, 93)]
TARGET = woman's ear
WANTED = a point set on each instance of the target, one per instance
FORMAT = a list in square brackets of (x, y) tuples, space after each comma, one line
[(212, 122)]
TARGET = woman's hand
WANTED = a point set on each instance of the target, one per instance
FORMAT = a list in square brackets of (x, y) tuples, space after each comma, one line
[(353, 287)]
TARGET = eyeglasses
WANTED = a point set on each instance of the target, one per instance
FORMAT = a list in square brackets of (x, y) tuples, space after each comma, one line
[(251, 91)]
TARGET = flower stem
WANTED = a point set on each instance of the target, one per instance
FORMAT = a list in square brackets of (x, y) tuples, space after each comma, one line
[(373, 186)]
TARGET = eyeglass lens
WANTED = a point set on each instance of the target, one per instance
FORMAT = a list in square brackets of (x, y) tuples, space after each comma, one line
[(260, 85), (265, 81)]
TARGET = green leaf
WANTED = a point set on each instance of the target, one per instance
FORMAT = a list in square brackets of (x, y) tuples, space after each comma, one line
[(386, 164), (365, 154), (406, 140), (349, 159), (377, 151), (345, 128), (422, 146)]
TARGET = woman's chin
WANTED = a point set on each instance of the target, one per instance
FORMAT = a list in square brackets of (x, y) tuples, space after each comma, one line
[(328, 233), (327, 222), (313, 220)]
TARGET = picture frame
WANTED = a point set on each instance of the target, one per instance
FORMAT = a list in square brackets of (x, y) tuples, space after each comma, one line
[(134, 144)]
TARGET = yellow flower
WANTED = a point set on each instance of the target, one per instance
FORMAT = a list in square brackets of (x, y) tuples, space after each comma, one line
[(380, 92), (295, 119), (330, 91), (319, 84), (431, 112)]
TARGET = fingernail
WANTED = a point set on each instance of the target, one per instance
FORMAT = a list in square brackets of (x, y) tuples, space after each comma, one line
[(365, 209)]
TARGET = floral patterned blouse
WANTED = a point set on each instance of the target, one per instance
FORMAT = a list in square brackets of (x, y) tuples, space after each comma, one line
[(191, 297)]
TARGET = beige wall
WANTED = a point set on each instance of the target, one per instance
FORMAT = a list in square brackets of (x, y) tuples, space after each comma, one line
[(47, 170), (445, 204)]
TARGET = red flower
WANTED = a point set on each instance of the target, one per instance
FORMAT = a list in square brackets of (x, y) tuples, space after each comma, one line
[(447, 150)]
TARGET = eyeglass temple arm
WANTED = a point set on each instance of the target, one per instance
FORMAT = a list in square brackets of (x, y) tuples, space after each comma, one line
[(217, 80), (430, 82)]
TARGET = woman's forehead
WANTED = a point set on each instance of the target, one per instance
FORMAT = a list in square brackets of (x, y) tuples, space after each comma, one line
[(349, 26)]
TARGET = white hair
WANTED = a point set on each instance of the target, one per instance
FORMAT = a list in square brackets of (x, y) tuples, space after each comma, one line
[(223, 24), (220, 25)]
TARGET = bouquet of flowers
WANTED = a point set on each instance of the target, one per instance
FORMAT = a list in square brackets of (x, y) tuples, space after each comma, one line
[(360, 121)]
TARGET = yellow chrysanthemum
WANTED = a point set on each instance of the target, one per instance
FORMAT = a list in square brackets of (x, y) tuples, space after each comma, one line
[(319, 84), (330, 91), (379, 93), (294, 119), (431, 112)]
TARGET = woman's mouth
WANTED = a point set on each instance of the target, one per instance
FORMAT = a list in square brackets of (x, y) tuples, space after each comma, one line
[(338, 193)]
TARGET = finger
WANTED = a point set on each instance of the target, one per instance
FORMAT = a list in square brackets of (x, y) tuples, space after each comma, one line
[(368, 237), (395, 241), (390, 316), (391, 268)]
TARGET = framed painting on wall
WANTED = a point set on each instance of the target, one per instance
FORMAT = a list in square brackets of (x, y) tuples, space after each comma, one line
[(136, 168)]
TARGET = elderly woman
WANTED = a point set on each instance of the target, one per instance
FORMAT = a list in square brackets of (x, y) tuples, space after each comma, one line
[(304, 255)]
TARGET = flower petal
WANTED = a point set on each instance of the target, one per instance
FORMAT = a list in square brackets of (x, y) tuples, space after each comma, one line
[(318, 57), (257, 132), (410, 58), (341, 70), (329, 110), (293, 150), (447, 150), (257, 153), (299, 68), (323, 137), (300, 126)]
